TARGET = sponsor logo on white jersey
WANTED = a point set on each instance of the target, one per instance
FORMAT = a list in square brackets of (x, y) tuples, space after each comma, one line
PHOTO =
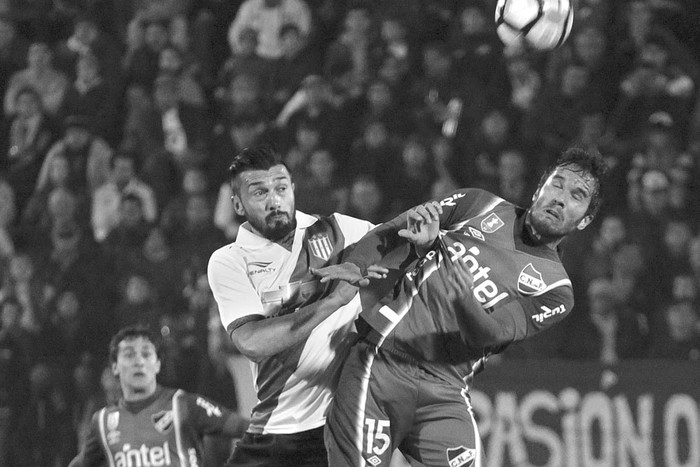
[(162, 420), (530, 280), (259, 267), (461, 457), (491, 223), (548, 313), (156, 456), (320, 246)]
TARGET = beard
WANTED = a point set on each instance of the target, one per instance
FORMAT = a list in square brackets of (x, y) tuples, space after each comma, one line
[(275, 226), (547, 227)]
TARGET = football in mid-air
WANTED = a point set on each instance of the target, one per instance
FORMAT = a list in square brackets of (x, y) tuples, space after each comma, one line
[(534, 24)]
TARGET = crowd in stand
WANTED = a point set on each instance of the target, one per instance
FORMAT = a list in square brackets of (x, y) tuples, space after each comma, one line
[(120, 118)]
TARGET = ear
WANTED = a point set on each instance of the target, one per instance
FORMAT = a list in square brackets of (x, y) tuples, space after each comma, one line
[(115, 372), (237, 205), (583, 223), (158, 366)]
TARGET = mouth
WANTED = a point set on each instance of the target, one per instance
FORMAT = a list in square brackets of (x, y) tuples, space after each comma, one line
[(553, 213)]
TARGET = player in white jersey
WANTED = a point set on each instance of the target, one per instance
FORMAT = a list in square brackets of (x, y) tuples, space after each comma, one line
[(295, 332)]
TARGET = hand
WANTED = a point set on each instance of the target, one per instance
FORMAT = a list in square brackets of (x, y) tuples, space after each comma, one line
[(423, 225), (459, 282), (350, 273)]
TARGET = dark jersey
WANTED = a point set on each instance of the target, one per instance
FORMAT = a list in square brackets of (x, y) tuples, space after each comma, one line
[(511, 272), (165, 429)]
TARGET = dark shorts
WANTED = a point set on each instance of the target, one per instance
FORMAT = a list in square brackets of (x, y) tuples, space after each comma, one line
[(305, 449), (384, 402)]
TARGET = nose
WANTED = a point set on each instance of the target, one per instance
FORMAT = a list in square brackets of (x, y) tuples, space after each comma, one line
[(274, 200)]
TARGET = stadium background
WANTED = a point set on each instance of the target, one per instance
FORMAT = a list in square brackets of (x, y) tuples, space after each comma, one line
[(120, 118)]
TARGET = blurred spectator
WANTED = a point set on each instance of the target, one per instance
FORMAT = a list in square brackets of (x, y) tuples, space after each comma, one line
[(40, 74), (174, 63), (356, 51), (230, 136), (15, 345), (524, 81), (477, 49), (125, 240), (88, 38), (596, 256), (317, 188), (13, 51), (307, 139), (194, 182), (24, 286), (107, 198), (40, 436), (91, 96), (616, 331), (88, 156), (681, 337), (646, 224), (514, 181), (374, 153), (243, 58), (170, 136), (297, 61), (366, 200), (412, 179), (25, 136), (8, 216), (137, 303), (141, 60), (197, 237), (267, 17)]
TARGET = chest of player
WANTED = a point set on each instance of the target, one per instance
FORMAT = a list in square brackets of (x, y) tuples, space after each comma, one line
[(281, 277), (501, 270), (148, 437)]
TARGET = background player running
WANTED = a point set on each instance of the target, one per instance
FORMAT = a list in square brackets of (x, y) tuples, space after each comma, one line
[(151, 424), (487, 274)]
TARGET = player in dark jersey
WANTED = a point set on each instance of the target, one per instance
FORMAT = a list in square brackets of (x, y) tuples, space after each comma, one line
[(484, 273), (152, 425)]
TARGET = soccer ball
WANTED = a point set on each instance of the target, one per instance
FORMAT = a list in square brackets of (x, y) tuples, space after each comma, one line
[(534, 24)]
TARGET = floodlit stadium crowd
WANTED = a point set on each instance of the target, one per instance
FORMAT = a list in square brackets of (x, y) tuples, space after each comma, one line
[(120, 119)]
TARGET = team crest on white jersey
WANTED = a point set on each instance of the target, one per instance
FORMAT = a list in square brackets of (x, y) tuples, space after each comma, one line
[(163, 420), (530, 280), (112, 421), (461, 457), (320, 246), (491, 223)]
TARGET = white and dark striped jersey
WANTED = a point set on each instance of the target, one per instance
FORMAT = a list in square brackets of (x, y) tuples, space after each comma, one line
[(254, 278)]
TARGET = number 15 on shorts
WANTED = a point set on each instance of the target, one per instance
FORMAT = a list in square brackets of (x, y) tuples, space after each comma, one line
[(378, 440)]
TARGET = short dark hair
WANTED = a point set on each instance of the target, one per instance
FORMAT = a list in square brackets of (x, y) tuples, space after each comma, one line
[(588, 162), (129, 333), (257, 158)]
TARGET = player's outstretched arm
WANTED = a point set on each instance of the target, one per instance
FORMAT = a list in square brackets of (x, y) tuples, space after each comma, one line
[(478, 328), (267, 337)]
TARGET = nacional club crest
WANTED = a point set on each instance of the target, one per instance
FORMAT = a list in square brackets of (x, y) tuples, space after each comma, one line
[(461, 457), (530, 280), (163, 420), (491, 223), (320, 246)]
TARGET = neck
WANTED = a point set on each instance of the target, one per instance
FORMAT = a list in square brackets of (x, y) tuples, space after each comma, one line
[(287, 241), (134, 395)]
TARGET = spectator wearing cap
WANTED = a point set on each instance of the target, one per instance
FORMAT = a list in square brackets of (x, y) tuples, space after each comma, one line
[(92, 96), (107, 198), (25, 137), (88, 156), (267, 17), (50, 83)]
